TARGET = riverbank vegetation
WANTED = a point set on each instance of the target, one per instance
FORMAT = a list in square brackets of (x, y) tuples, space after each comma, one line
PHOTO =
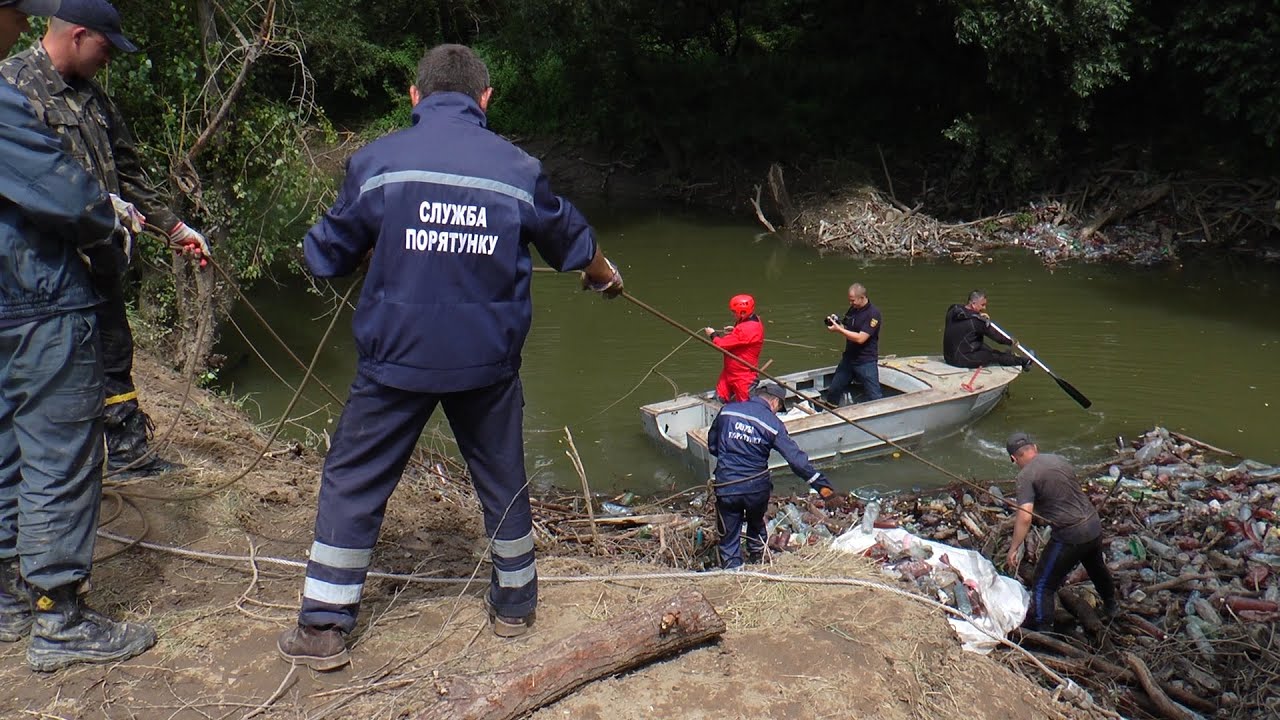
[(958, 109)]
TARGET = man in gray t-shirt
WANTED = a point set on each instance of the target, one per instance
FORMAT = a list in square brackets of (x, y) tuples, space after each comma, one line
[(1047, 487)]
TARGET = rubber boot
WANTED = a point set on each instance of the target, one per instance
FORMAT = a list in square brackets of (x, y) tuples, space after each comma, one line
[(67, 632), (15, 605), (128, 444), (509, 627)]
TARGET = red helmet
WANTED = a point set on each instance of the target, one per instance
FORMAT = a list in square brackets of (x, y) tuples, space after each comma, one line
[(742, 305)]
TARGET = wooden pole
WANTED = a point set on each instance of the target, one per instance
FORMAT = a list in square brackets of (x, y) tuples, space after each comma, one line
[(549, 673), (576, 459)]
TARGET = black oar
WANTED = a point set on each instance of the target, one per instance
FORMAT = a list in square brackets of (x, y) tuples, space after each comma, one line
[(1067, 387)]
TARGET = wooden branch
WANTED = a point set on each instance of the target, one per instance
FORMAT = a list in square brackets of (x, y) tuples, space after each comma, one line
[(781, 198), (1116, 212), (1166, 706), (1078, 606), (546, 674), (252, 52), (1121, 674), (760, 213)]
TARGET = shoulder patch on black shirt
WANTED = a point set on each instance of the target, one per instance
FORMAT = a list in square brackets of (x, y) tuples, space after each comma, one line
[(875, 322)]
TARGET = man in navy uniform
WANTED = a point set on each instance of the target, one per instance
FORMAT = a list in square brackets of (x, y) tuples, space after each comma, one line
[(445, 212), (741, 437), (53, 216), (860, 328)]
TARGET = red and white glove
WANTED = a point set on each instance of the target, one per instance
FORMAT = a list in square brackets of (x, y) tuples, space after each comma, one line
[(191, 242)]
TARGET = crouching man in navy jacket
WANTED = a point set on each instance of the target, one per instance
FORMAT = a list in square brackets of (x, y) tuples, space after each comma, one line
[(445, 211), (741, 437)]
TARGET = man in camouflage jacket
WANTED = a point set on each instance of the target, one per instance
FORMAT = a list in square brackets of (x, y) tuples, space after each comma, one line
[(57, 78)]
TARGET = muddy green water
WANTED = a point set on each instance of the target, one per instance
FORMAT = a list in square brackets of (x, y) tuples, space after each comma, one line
[(1193, 347)]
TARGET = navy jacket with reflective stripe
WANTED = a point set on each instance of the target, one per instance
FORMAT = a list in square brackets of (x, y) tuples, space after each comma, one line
[(449, 210), (741, 437)]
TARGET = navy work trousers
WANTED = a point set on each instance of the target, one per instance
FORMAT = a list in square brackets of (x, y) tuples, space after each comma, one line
[(1056, 562), (731, 511), (864, 374), (375, 438), (51, 447)]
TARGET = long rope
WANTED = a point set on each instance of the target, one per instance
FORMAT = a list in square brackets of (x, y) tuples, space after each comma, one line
[(818, 400), (275, 433), (1070, 689)]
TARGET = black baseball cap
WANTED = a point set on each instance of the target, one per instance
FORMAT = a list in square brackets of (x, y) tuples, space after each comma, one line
[(39, 8), (97, 15), (774, 390), (1017, 441)]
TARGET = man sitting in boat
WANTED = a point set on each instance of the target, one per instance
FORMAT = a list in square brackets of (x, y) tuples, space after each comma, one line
[(962, 337), (745, 338), (741, 437), (859, 364)]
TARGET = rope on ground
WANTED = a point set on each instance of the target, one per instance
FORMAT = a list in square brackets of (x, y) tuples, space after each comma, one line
[(1068, 689)]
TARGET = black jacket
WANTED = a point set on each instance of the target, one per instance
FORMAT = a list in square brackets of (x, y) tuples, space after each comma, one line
[(963, 334)]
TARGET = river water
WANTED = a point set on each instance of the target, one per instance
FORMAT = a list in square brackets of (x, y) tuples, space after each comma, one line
[(1193, 347)]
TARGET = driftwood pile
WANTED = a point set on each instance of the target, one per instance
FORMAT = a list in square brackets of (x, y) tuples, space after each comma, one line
[(1118, 215)]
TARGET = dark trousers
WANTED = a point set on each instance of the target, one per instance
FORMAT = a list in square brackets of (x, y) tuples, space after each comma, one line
[(731, 511), (987, 356), (117, 338), (50, 447), (865, 374), (1056, 562), (371, 447)]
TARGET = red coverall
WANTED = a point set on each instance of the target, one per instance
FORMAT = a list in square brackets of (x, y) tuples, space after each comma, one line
[(746, 340)]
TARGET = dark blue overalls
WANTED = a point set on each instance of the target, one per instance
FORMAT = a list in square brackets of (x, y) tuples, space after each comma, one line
[(741, 437), (51, 387), (448, 210)]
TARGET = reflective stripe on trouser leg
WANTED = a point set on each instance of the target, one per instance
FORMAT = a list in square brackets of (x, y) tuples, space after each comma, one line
[(487, 423), (371, 446)]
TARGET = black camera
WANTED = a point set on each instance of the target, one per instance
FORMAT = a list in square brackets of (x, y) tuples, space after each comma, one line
[(828, 321)]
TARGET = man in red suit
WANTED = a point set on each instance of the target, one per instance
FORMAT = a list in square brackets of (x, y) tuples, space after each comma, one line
[(744, 339)]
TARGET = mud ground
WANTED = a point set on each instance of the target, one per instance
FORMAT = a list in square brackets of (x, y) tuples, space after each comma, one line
[(789, 652)]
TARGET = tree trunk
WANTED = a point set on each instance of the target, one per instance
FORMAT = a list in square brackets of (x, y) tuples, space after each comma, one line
[(547, 674)]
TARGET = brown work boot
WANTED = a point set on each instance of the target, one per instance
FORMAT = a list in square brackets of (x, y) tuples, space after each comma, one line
[(15, 607), (319, 648), (509, 627)]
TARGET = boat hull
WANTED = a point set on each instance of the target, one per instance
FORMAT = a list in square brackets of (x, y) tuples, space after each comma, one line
[(929, 401)]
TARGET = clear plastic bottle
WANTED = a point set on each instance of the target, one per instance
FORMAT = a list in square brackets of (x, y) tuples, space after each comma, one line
[(869, 517)]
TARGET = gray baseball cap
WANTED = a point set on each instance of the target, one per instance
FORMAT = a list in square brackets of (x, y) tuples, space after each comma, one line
[(774, 390), (1017, 441)]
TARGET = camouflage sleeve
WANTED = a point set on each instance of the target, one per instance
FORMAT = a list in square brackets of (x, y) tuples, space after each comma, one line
[(53, 190), (135, 185)]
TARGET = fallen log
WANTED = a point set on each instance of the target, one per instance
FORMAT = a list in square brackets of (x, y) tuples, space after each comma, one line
[(1121, 674), (549, 673), (1079, 606), (1167, 707)]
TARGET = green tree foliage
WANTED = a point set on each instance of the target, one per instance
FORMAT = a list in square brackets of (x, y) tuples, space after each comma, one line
[(1008, 90)]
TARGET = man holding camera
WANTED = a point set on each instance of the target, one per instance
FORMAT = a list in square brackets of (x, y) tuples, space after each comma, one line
[(860, 327)]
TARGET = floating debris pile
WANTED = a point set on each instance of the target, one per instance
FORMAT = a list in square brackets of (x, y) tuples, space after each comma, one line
[(1193, 544)]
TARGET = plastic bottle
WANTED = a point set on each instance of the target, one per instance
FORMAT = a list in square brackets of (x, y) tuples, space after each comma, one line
[(961, 595), (793, 518), (869, 517)]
